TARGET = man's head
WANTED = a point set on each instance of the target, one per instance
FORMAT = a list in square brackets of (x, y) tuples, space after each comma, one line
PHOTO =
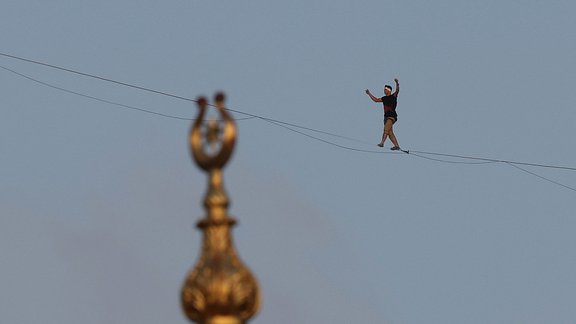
[(387, 90)]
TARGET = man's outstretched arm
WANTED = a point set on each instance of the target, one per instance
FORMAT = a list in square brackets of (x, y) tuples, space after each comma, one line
[(373, 97)]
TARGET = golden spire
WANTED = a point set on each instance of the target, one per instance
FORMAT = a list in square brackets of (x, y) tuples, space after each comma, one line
[(220, 289)]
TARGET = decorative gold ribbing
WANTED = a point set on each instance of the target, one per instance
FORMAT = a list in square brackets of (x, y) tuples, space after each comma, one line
[(220, 289)]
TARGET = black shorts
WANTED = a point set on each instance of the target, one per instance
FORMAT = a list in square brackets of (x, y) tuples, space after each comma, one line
[(394, 119)]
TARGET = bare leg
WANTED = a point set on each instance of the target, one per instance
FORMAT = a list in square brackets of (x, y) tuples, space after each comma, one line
[(384, 136), (393, 138)]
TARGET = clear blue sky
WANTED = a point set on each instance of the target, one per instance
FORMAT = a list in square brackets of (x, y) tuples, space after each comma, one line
[(98, 203)]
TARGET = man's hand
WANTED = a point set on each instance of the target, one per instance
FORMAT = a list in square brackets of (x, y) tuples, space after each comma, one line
[(396, 80), (367, 91)]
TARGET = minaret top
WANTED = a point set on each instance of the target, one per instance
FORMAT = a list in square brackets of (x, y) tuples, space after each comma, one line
[(220, 289)]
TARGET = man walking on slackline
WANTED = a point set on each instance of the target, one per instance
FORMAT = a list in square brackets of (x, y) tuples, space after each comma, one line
[(390, 116)]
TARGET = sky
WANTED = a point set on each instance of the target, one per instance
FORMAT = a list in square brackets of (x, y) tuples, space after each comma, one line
[(98, 202)]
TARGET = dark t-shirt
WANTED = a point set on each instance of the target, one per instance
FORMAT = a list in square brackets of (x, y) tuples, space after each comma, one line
[(390, 103)]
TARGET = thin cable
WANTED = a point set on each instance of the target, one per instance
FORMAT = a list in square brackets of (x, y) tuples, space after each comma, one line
[(167, 94), (100, 99), (446, 161), (328, 142), (496, 160), (277, 122), (97, 77), (91, 97), (539, 176), (163, 93), (508, 163)]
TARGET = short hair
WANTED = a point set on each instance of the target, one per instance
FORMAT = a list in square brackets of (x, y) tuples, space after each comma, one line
[(388, 86)]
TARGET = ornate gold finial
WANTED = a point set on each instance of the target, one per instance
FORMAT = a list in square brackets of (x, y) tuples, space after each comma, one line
[(220, 289)]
